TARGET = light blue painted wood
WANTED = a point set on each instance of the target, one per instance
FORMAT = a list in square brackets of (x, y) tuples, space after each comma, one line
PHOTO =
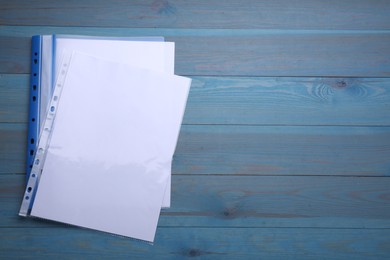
[(346, 55), (289, 101), (29, 31), (11, 56), (250, 201), (13, 147), (231, 196), (285, 55), (255, 101), (283, 150), (14, 98), (204, 243), (279, 14)]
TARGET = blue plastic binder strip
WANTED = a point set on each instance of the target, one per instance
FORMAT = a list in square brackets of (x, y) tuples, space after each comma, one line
[(35, 86)]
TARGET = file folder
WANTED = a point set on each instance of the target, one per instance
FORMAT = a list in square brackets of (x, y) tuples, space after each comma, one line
[(109, 152), (42, 79), (49, 49)]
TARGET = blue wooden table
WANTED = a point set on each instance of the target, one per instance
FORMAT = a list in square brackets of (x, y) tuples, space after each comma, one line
[(284, 150)]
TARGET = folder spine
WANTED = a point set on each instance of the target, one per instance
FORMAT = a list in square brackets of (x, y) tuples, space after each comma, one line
[(33, 117), (42, 146)]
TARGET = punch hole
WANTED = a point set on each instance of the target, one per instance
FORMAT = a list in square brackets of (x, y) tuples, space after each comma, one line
[(59, 85), (65, 64), (29, 189), (31, 152), (37, 161), (32, 140), (35, 74), (27, 197), (52, 108), (40, 150), (34, 98), (35, 61), (55, 98), (36, 54), (30, 166), (34, 87), (33, 175), (46, 129), (63, 72), (33, 119)]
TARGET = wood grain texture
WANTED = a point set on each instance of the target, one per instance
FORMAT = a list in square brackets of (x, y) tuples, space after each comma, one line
[(28, 31), (12, 54), (288, 101), (251, 201), (345, 55), (13, 148), (255, 101), (283, 150), (279, 14), (206, 243), (285, 55), (14, 98), (254, 150)]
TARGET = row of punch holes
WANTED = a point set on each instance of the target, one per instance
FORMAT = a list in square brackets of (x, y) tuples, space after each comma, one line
[(52, 109)]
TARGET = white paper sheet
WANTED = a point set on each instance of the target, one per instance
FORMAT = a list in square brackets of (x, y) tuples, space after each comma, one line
[(156, 56), (110, 153), (62, 41)]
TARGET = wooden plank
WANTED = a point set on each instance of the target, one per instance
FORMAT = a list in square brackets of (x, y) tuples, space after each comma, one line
[(28, 31), (255, 101), (14, 98), (285, 55), (297, 54), (15, 54), (254, 150), (13, 148), (251, 201), (288, 101), (283, 150), (179, 243), (280, 14)]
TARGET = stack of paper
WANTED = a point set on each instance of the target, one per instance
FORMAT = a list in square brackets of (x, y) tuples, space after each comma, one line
[(113, 131)]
